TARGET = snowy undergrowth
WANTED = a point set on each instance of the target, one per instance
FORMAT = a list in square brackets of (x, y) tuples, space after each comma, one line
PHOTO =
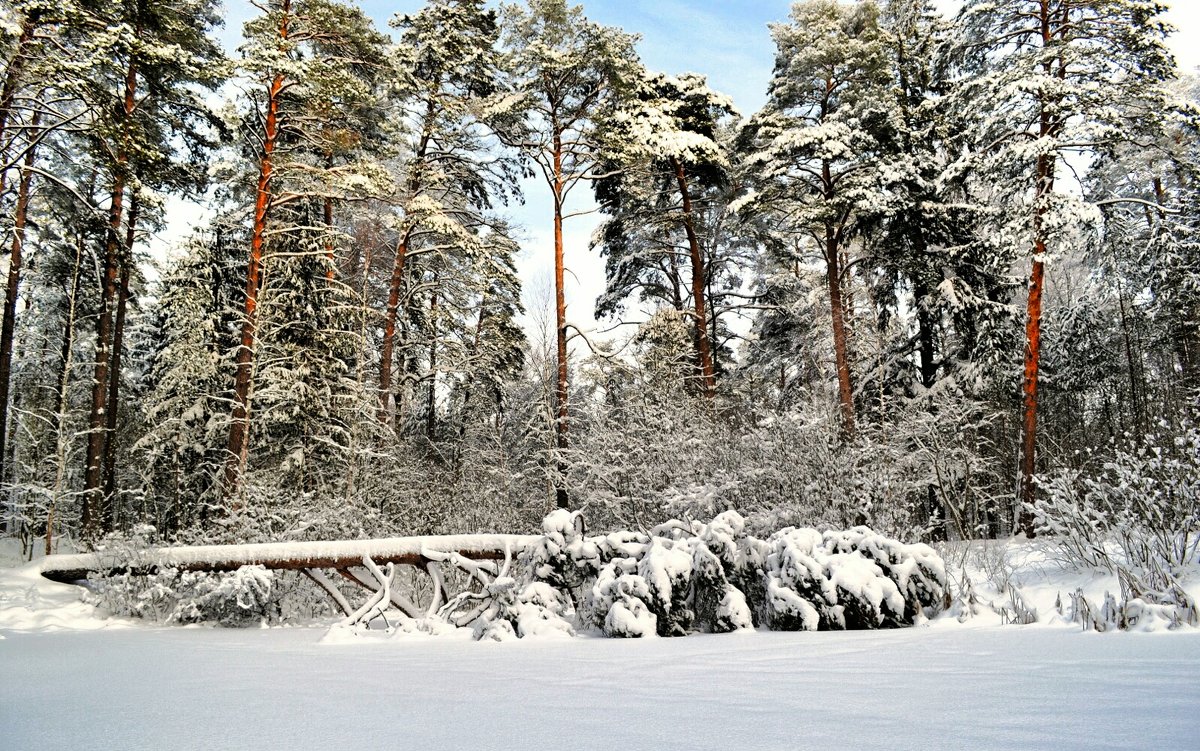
[(248, 596), (1135, 516), (1023, 582)]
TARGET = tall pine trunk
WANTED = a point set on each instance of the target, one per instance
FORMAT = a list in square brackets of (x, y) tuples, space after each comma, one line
[(94, 513), (703, 345), (926, 335), (388, 347), (676, 281), (8, 328), (8, 93), (239, 427), (1046, 163), (61, 438), (928, 367), (1029, 389), (12, 82), (114, 375), (561, 413), (431, 407), (327, 217), (833, 272)]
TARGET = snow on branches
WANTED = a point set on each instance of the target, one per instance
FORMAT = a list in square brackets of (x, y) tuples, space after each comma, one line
[(686, 577)]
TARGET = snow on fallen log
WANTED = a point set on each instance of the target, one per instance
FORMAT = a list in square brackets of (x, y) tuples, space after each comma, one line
[(338, 554)]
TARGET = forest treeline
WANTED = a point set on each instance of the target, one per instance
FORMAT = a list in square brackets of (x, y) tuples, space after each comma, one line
[(945, 275)]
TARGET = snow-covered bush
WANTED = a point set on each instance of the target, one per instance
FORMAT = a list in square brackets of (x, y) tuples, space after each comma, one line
[(853, 579), (245, 597), (850, 580), (917, 570), (617, 602), (685, 577), (1140, 509), (564, 557), (798, 593), (535, 609), (681, 580)]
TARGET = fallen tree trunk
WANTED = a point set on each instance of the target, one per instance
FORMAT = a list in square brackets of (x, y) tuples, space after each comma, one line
[(337, 554)]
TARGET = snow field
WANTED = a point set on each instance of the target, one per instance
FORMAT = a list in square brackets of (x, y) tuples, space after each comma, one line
[(946, 686)]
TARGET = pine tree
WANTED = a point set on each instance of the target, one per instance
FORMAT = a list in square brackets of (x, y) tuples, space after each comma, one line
[(146, 97), (566, 70), (821, 147), (664, 141), (1050, 79), (316, 62), (41, 95), (50, 349), (447, 79)]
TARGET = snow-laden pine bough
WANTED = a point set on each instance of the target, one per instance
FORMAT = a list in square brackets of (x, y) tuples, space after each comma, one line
[(678, 578), (684, 577)]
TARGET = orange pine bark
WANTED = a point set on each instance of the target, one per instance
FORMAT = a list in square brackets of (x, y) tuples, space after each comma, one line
[(1048, 126), (239, 429), (561, 422)]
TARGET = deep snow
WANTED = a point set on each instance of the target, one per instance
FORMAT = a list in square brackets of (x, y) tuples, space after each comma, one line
[(72, 679), (938, 687)]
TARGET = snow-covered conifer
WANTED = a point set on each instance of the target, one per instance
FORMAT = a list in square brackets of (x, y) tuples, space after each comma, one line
[(1047, 81), (668, 162), (563, 70), (820, 150)]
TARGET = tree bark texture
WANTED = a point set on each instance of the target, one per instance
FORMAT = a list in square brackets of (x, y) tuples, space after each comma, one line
[(388, 346), (8, 328), (12, 82), (94, 513), (239, 428), (561, 413), (1048, 125), (114, 375), (703, 345), (837, 310), (431, 407)]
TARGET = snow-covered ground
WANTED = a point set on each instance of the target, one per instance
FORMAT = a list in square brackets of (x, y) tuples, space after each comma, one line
[(70, 678)]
